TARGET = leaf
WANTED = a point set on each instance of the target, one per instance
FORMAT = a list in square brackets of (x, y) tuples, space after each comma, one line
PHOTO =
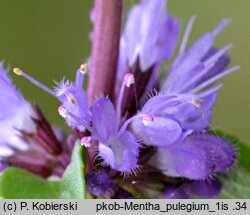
[(236, 184), (73, 181), (18, 184), (243, 156)]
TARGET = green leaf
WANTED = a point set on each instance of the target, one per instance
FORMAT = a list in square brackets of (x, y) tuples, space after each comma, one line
[(236, 184), (73, 181), (243, 149), (19, 184), (16, 183)]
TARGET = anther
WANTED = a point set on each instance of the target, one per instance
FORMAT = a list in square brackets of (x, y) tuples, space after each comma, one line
[(196, 103), (86, 141), (129, 79), (84, 68), (17, 71), (71, 98), (147, 119), (62, 111)]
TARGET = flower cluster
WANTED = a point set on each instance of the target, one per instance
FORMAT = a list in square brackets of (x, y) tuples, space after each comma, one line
[(154, 131)]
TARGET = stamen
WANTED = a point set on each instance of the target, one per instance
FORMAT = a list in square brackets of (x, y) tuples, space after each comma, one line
[(63, 111), (81, 72), (202, 70), (129, 79), (147, 119), (84, 68), (215, 57), (18, 71), (83, 122), (71, 98), (86, 141), (211, 91), (221, 26), (196, 103), (214, 79), (187, 33)]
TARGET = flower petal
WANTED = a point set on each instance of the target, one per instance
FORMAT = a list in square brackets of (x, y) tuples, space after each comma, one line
[(206, 188), (161, 132), (185, 160), (120, 152), (221, 152), (104, 118)]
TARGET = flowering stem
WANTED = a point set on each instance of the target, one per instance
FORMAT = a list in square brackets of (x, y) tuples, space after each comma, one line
[(105, 50)]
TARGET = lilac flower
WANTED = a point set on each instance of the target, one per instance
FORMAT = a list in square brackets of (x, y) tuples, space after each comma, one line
[(172, 117), (176, 117), (196, 157), (16, 114), (27, 140), (200, 66), (117, 147), (140, 42), (73, 97), (150, 36), (166, 136)]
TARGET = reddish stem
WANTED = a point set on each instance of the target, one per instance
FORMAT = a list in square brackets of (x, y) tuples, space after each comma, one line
[(105, 50)]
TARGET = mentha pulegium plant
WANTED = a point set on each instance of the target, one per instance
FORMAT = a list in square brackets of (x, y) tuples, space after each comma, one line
[(139, 130)]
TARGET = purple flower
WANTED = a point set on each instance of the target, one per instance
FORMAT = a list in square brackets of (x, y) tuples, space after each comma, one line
[(74, 99), (27, 140), (117, 146), (119, 149), (15, 114), (196, 157), (166, 135), (71, 95), (171, 117), (200, 66), (150, 34)]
